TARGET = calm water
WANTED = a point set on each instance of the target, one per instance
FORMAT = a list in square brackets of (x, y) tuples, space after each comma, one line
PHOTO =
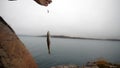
[(71, 51)]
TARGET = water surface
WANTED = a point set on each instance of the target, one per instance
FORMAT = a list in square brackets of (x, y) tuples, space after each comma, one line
[(71, 51)]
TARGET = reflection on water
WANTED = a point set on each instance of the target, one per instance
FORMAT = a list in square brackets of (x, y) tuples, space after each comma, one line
[(71, 51), (48, 49)]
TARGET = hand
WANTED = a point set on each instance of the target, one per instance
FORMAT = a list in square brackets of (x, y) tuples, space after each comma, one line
[(43, 2)]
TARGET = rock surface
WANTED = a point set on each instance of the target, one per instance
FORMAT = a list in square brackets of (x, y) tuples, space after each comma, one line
[(13, 53)]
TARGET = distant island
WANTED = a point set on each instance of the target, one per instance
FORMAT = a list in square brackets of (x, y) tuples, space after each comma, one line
[(70, 37)]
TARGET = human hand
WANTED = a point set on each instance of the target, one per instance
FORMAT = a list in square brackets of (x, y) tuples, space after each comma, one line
[(43, 2)]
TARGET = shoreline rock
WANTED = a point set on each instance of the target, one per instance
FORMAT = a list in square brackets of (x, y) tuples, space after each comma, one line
[(13, 53), (100, 63)]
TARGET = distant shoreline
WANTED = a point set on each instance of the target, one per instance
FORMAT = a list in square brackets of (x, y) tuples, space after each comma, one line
[(69, 37)]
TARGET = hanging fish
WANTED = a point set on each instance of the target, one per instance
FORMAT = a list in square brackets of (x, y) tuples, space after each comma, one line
[(48, 41)]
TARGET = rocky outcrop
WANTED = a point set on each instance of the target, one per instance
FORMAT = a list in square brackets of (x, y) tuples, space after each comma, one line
[(13, 53)]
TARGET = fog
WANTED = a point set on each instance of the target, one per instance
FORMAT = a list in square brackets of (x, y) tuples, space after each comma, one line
[(83, 18)]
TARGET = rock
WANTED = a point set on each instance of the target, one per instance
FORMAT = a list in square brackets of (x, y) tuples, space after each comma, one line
[(13, 53)]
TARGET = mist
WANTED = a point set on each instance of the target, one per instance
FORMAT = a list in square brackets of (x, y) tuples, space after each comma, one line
[(83, 18)]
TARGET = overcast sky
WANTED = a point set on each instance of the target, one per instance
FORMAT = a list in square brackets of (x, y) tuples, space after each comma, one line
[(86, 18)]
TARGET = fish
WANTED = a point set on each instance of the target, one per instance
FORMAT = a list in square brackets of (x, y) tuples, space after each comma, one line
[(48, 41)]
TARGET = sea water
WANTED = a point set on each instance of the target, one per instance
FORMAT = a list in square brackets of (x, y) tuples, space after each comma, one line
[(71, 51)]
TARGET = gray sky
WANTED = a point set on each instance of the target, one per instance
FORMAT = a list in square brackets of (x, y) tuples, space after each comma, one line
[(86, 18)]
